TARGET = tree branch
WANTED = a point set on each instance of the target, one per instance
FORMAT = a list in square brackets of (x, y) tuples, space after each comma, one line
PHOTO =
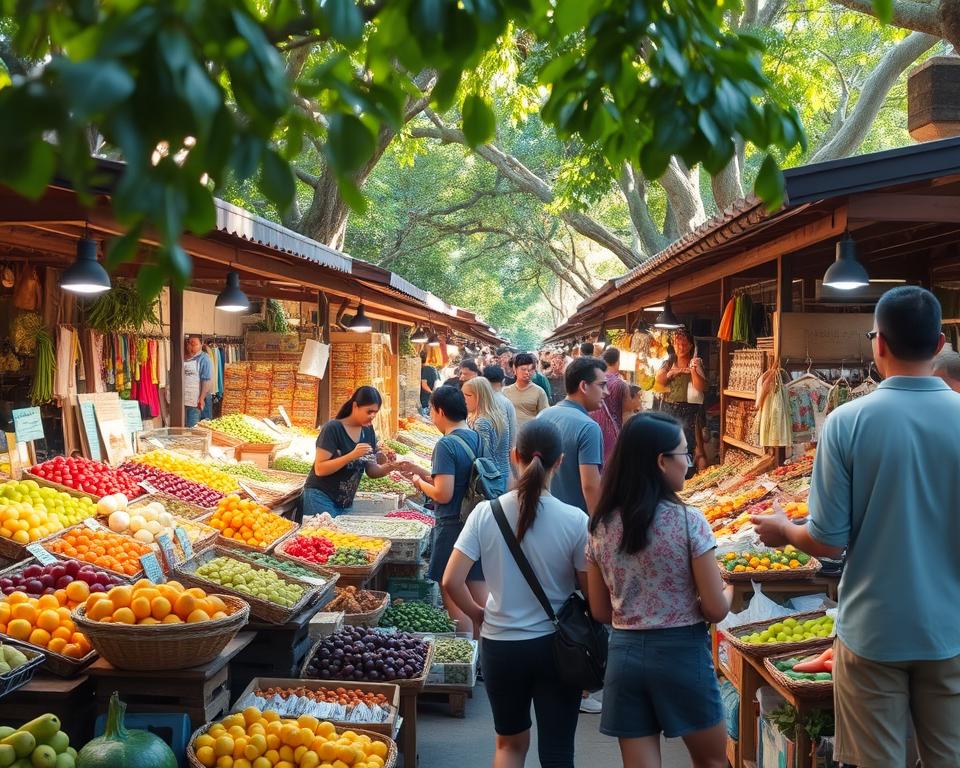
[(909, 14), (683, 191), (307, 178), (634, 188)]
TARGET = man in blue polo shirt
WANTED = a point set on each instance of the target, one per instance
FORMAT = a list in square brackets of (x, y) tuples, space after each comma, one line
[(886, 483)]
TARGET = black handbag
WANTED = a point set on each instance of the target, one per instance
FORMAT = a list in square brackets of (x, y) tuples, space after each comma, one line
[(580, 643)]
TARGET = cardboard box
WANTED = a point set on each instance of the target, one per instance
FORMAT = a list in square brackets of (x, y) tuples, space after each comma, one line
[(324, 624)]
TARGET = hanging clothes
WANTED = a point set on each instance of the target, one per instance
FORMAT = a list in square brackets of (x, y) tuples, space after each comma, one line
[(808, 407), (145, 390), (725, 333), (839, 394), (774, 418), (742, 321)]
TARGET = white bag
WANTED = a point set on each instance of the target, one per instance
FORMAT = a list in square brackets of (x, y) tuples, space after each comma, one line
[(761, 608)]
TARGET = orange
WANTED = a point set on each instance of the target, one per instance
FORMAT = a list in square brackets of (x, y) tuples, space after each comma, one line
[(120, 596), (25, 611), (73, 651), (185, 605), (61, 595), (160, 608), (48, 620), (63, 633), (140, 607), (40, 637), (148, 620), (197, 616), (95, 598), (14, 598), (19, 629), (124, 616), (100, 610), (78, 591), (48, 601), (4, 612), (173, 619), (57, 644)]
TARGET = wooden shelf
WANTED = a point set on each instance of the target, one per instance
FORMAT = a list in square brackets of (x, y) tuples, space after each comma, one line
[(740, 395), (744, 446)]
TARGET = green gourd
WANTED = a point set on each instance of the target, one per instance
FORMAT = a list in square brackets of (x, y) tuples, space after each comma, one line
[(120, 748)]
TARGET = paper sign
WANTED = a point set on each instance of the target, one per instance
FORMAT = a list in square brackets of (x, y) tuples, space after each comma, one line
[(92, 524), (166, 546), (184, 540), (313, 361), (131, 416), (147, 487), (42, 556), (283, 415), (88, 418), (250, 493), (27, 424), (155, 443), (152, 569)]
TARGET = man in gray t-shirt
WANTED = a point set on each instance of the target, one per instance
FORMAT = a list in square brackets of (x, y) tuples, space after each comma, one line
[(577, 481)]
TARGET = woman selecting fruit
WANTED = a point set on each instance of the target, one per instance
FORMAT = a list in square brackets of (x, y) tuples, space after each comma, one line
[(683, 376), (345, 450)]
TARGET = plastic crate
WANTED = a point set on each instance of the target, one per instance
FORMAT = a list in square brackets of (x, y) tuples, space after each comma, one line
[(414, 589), (455, 675)]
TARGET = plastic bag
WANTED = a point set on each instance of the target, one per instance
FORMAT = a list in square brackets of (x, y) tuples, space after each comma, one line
[(26, 293), (807, 603), (761, 608)]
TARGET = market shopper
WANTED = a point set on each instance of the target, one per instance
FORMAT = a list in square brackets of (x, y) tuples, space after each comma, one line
[(586, 349), (653, 575), (346, 448), (683, 375), (446, 485), (540, 379), (468, 370), (577, 481), (527, 397), (197, 383), (516, 636), (946, 365), (428, 382), (506, 362), (490, 422), (610, 413), (885, 485), (494, 374)]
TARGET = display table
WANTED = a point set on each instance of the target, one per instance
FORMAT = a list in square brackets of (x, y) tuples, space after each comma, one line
[(456, 696), (70, 699), (743, 590), (201, 692), (749, 674), (407, 742)]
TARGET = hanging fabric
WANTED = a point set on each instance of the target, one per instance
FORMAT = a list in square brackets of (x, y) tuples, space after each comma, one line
[(726, 321), (774, 419), (742, 318)]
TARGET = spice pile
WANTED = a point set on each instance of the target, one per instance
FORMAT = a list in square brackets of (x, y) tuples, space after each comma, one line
[(351, 600)]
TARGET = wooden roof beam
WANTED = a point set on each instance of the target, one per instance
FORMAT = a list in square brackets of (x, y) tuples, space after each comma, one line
[(902, 207)]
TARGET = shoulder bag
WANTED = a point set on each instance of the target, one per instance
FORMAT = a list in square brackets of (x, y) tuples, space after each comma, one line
[(580, 643)]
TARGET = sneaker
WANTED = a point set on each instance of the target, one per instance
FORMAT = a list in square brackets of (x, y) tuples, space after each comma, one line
[(591, 706)]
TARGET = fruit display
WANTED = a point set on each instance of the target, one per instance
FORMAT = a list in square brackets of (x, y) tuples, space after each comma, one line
[(817, 668), (341, 539), (145, 523), (796, 510), (760, 560), (146, 603), (189, 469), (292, 464), (802, 467), (25, 521), (37, 744), (313, 549), (452, 650), (44, 622), (261, 583), (415, 616), (11, 659), (100, 547), (268, 740), (352, 557), (381, 527), (727, 507), (239, 426), (88, 476), (282, 566), (120, 748), (790, 630), (174, 485), (397, 447), (353, 600), (346, 697), (387, 484), (356, 653), (246, 522), (409, 514), (325, 703), (71, 581), (248, 471), (45, 500)]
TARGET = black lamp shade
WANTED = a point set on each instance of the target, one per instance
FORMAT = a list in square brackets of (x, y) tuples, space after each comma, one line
[(360, 323), (419, 336), (86, 275), (846, 273), (231, 298), (434, 340), (666, 319)]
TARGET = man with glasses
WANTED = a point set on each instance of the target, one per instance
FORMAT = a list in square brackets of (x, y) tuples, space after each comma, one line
[(885, 487)]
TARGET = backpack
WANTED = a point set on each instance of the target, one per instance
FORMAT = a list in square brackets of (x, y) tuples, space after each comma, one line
[(483, 474)]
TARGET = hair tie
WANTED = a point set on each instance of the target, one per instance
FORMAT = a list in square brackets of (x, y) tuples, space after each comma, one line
[(537, 455)]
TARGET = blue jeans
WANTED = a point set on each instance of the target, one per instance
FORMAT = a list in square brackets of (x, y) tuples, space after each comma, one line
[(192, 416), (316, 502)]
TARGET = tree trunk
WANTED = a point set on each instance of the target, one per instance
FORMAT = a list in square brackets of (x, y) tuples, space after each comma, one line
[(909, 14), (727, 185), (634, 188), (682, 186)]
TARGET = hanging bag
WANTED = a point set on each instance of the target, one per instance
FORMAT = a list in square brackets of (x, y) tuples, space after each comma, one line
[(580, 643), (26, 294), (484, 475)]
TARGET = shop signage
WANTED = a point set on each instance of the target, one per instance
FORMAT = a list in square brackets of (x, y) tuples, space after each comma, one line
[(825, 336), (27, 424), (88, 418), (40, 554), (131, 416)]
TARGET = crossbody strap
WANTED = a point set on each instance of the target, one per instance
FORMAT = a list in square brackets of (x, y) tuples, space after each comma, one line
[(521, 559), (466, 447)]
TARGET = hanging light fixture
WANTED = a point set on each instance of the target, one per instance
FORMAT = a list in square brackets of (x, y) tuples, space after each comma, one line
[(419, 336), (846, 273), (666, 319), (86, 275), (231, 298), (434, 340), (360, 323)]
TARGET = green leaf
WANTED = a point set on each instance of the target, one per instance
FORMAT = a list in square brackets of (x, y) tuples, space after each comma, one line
[(445, 91), (479, 122), (201, 215), (122, 249), (4, 76), (276, 180), (346, 21), (769, 185), (152, 277), (571, 16), (349, 143), (30, 168), (884, 10), (94, 86), (352, 195)]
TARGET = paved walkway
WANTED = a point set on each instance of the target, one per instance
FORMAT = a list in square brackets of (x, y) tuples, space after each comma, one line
[(449, 742)]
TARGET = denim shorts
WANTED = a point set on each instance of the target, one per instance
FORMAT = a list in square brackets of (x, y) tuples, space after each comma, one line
[(660, 681), (316, 502), (445, 535)]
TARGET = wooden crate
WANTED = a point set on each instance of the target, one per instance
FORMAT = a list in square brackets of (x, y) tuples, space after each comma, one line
[(71, 700)]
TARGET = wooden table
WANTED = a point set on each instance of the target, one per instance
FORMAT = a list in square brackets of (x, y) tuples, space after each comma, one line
[(748, 674), (201, 692)]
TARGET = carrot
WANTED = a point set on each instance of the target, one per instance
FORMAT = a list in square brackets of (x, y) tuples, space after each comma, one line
[(829, 665), (816, 665)]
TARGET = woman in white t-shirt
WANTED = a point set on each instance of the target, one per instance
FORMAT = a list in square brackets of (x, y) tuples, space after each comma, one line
[(516, 647)]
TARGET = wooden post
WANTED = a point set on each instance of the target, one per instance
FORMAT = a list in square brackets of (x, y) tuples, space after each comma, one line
[(177, 415), (724, 368), (395, 381), (324, 319)]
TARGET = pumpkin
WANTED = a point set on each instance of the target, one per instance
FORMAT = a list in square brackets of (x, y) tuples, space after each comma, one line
[(120, 748)]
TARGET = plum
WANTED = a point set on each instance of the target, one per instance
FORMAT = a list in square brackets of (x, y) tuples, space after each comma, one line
[(63, 581), (34, 586), (47, 580), (97, 588)]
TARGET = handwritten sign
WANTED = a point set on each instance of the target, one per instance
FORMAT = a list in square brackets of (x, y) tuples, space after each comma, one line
[(131, 416), (27, 424), (152, 569), (148, 487), (88, 418), (92, 524), (40, 554), (184, 540), (166, 546)]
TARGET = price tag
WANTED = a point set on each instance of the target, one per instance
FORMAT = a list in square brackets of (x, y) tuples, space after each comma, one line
[(92, 524), (166, 546), (42, 556), (155, 443), (283, 415), (148, 487), (184, 540), (152, 569), (27, 424)]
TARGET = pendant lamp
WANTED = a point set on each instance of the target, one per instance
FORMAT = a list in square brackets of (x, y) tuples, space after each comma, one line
[(846, 273), (419, 336), (231, 298), (666, 319), (433, 341), (86, 275), (360, 323)]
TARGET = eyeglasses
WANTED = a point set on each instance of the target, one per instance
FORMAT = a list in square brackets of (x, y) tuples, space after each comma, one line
[(872, 334), (685, 453)]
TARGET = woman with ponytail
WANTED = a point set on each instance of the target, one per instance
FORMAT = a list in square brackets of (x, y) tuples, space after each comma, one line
[(516, 645), (346, 448)]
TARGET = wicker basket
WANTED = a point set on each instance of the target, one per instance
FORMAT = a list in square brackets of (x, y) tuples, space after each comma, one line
[(808, 571), (19, 677), (127, 577), (207, 535), (803, 687), (66, 489), (390, 761), (223, 541), (181, 508), (12, 550), (164, 646), (261, 609), (413, 684), (763, 650), (322, 578), (220, 438), (349, 571), (370, 618), (55, 663)]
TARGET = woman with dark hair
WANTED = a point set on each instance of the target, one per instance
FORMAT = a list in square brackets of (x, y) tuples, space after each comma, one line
[(516, 636), (346, 448), (683, 375), (653, 576)]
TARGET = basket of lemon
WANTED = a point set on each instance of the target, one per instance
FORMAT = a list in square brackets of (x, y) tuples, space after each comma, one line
[(784, 564)]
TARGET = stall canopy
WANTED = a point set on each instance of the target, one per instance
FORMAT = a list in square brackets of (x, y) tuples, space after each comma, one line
[(901, 206)]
